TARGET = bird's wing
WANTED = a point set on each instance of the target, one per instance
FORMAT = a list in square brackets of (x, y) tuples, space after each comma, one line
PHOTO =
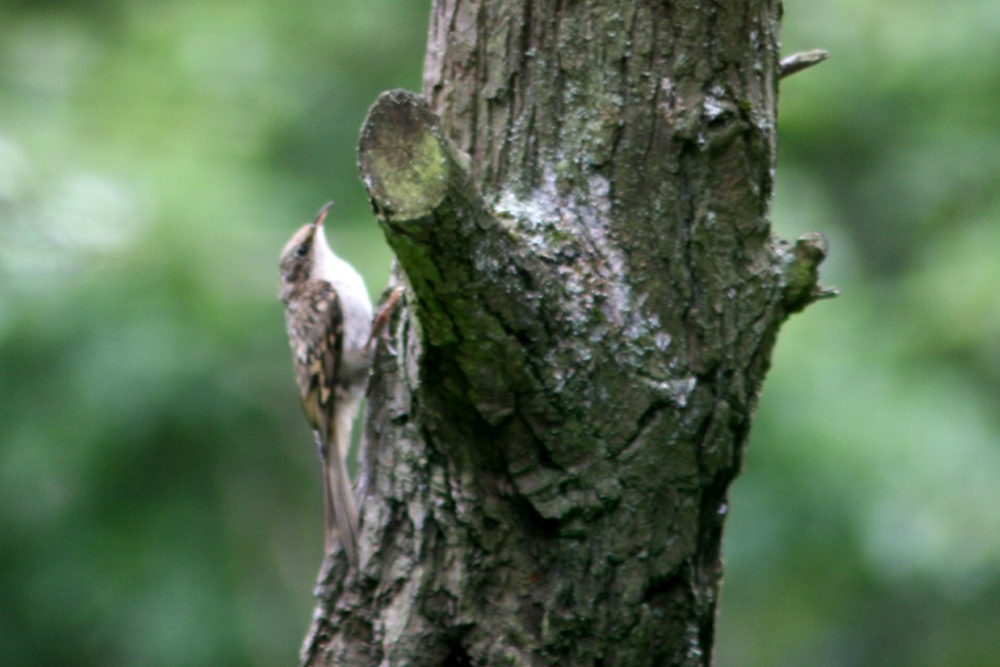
[(318, 364)]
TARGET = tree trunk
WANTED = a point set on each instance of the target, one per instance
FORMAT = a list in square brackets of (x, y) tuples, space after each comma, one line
[(579, 213)]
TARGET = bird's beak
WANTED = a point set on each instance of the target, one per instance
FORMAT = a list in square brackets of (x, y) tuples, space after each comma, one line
[(321, 216)]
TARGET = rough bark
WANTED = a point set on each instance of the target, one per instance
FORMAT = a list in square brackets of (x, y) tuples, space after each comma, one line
[(579, 213)]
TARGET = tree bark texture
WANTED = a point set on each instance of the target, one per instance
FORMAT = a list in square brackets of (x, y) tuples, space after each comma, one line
[(578, 205)]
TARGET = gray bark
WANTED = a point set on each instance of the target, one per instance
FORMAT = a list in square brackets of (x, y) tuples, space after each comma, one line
[(579, 214)]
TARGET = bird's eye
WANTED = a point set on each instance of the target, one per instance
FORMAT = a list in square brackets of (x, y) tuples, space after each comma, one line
[(303, 250)]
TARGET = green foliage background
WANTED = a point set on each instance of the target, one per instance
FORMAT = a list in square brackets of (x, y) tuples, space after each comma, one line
[(158, 489)]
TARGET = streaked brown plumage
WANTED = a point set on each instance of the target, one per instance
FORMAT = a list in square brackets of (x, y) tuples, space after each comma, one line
[(328, 317)]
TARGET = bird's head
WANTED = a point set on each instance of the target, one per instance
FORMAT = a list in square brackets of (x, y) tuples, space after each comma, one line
[(304, 255)]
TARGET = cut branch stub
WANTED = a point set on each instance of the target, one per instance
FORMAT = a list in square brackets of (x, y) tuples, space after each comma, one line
[(800, 61), (402, 157), (449, 245), (801, 271), (531, 304)]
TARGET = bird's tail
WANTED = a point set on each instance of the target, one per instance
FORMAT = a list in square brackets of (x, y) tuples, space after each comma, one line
[(339, 510)]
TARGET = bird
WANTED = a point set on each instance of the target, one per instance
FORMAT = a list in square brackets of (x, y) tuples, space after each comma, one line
[(328, 316)]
